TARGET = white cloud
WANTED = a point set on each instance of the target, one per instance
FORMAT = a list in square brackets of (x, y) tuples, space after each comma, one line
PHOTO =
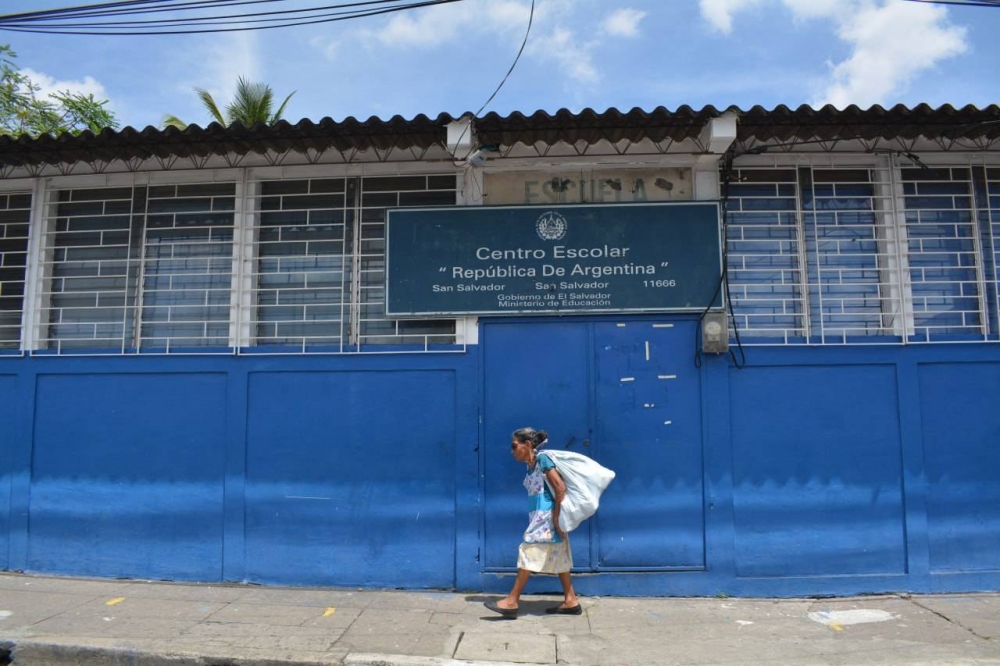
[(217, 62), (719, 13), (434, 26), (49, 85), (624, 22), (574, 57), (330, 48), (551, 39), (892, 42), (811, 9), (892, 45)]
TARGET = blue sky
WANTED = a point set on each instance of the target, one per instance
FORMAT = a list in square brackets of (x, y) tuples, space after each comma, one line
[(581, 53)]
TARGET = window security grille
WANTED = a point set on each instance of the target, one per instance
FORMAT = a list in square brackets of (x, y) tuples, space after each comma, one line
[(87, 237), (319, 277), (15, 212), (988, 194), (303, 269), (187, 266), (377, 194), (945, 272), (833, 255), (817, 254), (766, 254), (849, 253), (111, 253)]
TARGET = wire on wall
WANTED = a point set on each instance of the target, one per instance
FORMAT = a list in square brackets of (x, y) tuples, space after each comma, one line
[(741, 362), (464, 160)]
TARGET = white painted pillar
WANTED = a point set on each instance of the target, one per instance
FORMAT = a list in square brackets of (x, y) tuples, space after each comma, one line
[(718, 135), (243, 285), (37, 272), (462, 145)]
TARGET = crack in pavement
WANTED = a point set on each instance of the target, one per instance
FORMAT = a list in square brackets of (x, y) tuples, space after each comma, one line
[(944, 617)]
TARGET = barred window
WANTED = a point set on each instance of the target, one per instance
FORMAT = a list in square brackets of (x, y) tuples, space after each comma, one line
[(845, 229), (302, 279), (87, 236), (145, 268), (946, 278), (988, 197), (377, 194), (15, 212), (848, 254), (318, 281), (766, 253), (187, 266)]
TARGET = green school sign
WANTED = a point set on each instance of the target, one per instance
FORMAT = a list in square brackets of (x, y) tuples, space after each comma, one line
[(663, 257)]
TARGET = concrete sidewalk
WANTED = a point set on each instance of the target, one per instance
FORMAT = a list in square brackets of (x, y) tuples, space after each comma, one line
[(61, 621)]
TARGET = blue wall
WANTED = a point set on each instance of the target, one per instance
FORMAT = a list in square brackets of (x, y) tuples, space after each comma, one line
[(127, 474), (961, 456), (816, 471), (8, 439), (318, 471), (351, 478), (834, 470)]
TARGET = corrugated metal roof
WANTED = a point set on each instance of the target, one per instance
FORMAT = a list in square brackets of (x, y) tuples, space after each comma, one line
[(826, 123), (421, 132)]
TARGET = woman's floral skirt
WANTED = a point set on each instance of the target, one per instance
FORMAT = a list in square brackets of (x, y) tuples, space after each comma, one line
[(546, 558)]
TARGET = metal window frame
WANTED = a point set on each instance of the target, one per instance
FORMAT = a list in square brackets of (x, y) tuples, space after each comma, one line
[(893, 247), (982, 311), (993, 223), (800, 300), (40, 256), (24, 314), (252, 274), (889, 193), (464, 333), (146, 261)]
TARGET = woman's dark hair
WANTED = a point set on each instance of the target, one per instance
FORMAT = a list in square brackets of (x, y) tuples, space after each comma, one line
[(534, 437)]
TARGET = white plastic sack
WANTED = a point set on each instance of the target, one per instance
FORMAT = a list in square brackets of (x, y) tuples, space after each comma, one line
[(585, 480)]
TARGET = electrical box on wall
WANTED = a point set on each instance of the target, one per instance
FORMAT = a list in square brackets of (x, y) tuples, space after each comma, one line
[(715, 333)]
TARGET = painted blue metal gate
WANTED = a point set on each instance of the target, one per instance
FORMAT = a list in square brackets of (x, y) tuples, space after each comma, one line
[(622, 391)]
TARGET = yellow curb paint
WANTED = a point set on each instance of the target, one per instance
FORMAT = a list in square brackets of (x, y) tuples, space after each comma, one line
[(836, 627), (115, 601), (329, 612)]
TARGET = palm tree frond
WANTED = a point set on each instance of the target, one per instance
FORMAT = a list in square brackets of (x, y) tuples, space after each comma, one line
[(252, 105), (171, 120), (209, 102), (281, 110)]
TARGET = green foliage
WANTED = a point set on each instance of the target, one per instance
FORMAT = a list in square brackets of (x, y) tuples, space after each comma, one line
[(23, 112), (253, 105)]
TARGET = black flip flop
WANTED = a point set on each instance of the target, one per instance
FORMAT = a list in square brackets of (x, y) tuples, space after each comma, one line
[(510, 613), (559, 610)]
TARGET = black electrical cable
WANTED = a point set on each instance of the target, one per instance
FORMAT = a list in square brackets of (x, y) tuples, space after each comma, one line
[(725, 177), (208, 20), (105, 6), (531, 18), (194, 6), (961, 3), (37, 23), (338, 17), (524, 42), (232, 19)]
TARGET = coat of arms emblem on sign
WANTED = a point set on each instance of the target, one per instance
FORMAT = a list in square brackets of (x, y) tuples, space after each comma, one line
[(551, 226)]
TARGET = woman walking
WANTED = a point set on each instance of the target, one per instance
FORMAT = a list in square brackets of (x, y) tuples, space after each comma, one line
[(545, 547)]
